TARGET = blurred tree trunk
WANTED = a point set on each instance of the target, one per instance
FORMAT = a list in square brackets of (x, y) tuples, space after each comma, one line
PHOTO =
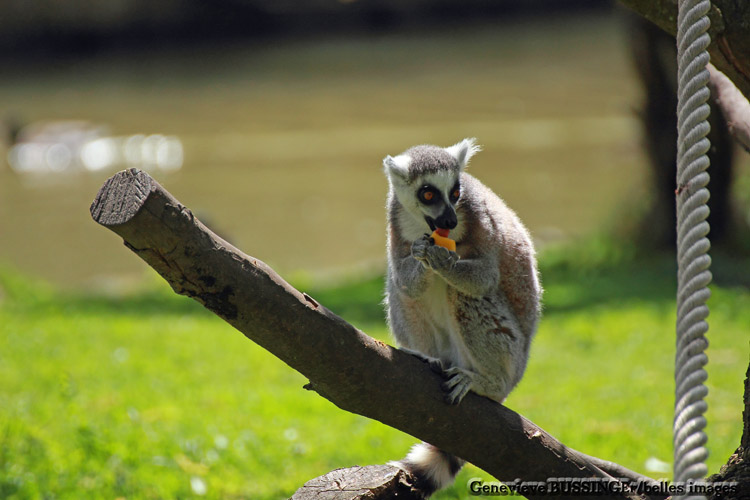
[(655, 58), (729, 30), (737, 468)]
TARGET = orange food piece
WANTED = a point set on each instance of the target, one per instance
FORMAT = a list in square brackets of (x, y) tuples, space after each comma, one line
[(442, 240)]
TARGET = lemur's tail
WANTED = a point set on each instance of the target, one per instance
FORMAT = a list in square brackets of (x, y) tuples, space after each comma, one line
[(432, 467)]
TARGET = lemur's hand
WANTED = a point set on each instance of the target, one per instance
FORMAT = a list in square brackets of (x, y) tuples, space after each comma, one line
[(432, 256), (419, 249)]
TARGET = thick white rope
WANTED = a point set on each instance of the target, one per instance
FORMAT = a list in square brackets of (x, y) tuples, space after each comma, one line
[(693, 261)]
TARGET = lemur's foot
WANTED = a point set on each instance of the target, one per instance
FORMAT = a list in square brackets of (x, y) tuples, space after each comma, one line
[(436, 364), (458, 384)]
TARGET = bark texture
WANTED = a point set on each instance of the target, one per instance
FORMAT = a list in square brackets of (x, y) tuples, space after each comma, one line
[(360, 483)]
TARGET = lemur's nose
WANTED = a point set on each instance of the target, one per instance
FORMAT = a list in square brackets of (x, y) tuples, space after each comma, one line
[(447, 219)]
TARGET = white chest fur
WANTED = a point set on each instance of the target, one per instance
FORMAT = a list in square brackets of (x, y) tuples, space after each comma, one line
[(437, 306), (441, 321)]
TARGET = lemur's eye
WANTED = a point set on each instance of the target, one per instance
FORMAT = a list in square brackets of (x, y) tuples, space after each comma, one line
[(427, 195), (455, 194)]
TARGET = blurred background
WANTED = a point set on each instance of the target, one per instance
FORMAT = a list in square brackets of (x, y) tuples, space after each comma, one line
[(270, 119)]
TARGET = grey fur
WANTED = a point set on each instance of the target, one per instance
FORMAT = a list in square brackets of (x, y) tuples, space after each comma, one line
[(473, 312), (429, 159)]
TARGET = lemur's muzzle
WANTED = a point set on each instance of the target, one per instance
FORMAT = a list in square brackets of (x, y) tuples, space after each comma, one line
[(447, 219)]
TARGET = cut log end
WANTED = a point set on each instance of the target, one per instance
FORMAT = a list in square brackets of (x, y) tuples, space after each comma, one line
[(373, 482), (121, 197)]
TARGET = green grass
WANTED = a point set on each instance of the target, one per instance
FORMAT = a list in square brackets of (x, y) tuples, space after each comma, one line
[(150, 396)]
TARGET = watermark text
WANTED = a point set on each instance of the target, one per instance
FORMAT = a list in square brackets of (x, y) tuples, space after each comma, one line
[(564, 486)]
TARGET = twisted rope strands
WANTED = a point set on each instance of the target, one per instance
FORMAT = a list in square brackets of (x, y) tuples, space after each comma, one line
[(693, 275)]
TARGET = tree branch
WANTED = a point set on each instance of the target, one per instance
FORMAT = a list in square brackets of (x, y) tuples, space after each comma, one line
[(355, 372), (733, 105), (730, 33)]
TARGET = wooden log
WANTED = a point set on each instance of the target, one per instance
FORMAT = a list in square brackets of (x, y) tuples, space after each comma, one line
[(355, 483), (352, 370)]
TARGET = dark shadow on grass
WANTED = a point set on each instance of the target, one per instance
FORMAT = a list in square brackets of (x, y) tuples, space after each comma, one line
[(21, 293), (569, 287), (359, 302), (147, 303), (571, 283)]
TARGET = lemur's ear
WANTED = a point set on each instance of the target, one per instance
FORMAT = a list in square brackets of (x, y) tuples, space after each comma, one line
[(463, 151), (397, 167)]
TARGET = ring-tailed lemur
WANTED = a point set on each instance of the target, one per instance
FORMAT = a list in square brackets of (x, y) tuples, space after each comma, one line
[(470, 313)]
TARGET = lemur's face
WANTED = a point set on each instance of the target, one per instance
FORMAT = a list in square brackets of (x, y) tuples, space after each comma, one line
[(436, 197), (426, 181), (430, 198)]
